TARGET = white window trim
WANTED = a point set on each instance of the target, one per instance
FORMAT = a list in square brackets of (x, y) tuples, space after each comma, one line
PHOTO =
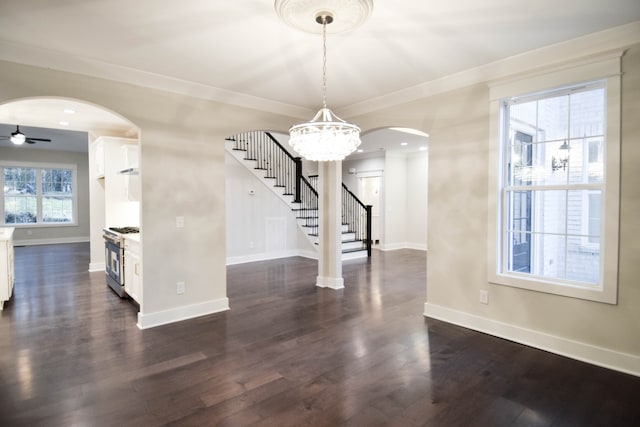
[(38, 167), (604, 67)]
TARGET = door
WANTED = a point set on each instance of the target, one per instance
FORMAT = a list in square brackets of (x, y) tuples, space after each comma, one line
[(370, 195), (521, 210)]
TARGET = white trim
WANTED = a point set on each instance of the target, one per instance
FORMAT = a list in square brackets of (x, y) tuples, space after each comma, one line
[(151, 320), (570, 50), (392, 246), (47, 58), (242, 259), (416, 246), (404, 245), (612, 38), (623, 362), (51, 241), (96, 266), (330, 282)]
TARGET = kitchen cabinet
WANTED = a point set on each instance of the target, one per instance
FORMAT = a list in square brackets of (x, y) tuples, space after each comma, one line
[(98, 150), (6, 265), (133, 267)]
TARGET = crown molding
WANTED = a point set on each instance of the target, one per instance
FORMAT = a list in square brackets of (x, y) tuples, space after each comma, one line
[(594, 44), (45, 58)]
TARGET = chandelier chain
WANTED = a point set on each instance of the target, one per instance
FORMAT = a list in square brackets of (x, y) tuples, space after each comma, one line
[(324, 63)]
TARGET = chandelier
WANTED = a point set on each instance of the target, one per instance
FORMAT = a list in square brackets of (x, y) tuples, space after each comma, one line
[(326, 137)]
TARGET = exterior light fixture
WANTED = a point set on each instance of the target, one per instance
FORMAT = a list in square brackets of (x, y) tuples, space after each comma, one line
[(560, 162), (326, 137)]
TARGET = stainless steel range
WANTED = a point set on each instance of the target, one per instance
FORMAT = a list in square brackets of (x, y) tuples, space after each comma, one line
[(114, 256)]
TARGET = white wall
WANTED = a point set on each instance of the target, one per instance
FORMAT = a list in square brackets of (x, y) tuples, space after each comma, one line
[(403, 214), (417, 191), (64, 234), (458, 124), (394, 223), (259, 225)]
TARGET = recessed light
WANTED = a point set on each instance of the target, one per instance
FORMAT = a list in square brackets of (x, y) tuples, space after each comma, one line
[(69, 111), (360, 150), (63, 123), (404, 143), (423, 148)]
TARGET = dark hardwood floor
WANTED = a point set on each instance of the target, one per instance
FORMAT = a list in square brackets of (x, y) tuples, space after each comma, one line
[(287, 354)]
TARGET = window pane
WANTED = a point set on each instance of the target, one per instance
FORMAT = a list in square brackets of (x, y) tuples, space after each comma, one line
[(519, 211), (20, 209), (57, 182), (553, 119), (593, 229), (549, 255), (595, 160), (550, 211), (583, 265), (57, 209), (587, 113), (519, 260), (19, 181)]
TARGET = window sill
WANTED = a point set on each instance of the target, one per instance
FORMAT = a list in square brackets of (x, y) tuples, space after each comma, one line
[(596, 293), (42, 225)]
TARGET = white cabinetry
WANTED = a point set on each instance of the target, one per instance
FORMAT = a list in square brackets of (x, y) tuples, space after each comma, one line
[(6, 265), (133, 267), (98, 149)]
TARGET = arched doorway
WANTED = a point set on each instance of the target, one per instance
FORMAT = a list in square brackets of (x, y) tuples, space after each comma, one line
[(72, 126), (390, 172)]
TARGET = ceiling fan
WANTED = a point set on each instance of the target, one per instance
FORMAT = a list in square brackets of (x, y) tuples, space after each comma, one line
[(19, 138)]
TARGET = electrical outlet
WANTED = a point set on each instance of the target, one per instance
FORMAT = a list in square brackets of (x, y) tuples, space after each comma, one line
[(180, 288), (484, 296)]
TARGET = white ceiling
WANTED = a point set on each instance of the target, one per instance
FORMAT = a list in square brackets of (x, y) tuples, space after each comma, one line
[(241, 48)]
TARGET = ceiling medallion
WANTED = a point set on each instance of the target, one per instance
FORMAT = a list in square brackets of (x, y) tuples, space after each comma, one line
[(301, 14)]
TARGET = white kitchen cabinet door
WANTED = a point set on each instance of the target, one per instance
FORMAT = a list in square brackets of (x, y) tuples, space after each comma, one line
[(6, 265), (133, 270)]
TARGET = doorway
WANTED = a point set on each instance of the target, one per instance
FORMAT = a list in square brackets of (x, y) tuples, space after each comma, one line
[(369, 190)]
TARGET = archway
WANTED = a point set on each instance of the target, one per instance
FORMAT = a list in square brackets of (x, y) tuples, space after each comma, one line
[(72, 125)]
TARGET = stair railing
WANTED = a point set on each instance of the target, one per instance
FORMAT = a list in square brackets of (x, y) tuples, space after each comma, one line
[(285, 169), (355, 214), (358, 216), (273, 158)]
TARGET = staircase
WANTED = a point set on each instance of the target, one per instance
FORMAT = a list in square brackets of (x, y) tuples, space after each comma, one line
[(270, 162)]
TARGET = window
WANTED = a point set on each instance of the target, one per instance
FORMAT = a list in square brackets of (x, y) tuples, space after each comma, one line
[(38, 194), (555, 167)]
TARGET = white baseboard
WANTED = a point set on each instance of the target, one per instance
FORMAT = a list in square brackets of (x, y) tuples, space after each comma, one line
[(178, 314), (96, 266), (330, 282), (416, 246), (52, 241), (404, 245), (242, 259), (623, 362)]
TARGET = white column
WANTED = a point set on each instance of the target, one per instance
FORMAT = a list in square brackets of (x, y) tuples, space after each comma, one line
[(329, 232)]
